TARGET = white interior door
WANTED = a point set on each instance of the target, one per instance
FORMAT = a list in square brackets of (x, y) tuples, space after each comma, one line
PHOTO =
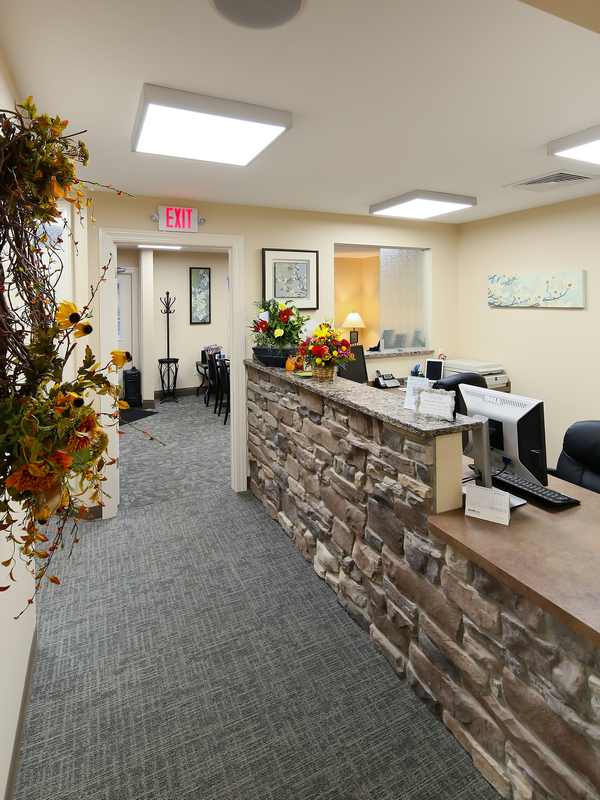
[(128, 315)]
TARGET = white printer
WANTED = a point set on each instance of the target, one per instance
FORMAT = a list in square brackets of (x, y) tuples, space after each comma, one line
[(493, 373)]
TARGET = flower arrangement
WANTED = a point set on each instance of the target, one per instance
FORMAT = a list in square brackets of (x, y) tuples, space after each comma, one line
[(326, 347), (53, 447), (277, 325)]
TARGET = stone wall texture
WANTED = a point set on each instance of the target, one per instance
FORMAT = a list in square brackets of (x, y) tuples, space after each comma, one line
[(518, 689)]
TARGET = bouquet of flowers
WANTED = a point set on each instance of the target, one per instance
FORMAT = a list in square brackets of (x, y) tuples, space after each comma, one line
[(53, 445), (326, 347), (277, 325)]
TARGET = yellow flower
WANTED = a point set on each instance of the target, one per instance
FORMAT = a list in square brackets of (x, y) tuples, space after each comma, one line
[(335, 353), (120, 357), (76, 400), (67, 315), (318, 360), (82, 329), (279, 332), (282, 306)]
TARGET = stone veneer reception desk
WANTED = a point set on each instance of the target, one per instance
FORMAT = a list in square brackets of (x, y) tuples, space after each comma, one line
[(352, 477)]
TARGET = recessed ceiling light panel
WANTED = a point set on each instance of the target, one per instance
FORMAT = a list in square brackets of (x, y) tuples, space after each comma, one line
[(422, 205), (582, 146), (160, 246), (181, 124), (258, 13)]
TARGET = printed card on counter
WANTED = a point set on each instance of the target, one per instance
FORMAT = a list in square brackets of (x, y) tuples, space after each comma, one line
[(490, 504), (411, 396)]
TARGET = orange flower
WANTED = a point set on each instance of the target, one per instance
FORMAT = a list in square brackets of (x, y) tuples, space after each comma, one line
[(84, 434), (36, 477)]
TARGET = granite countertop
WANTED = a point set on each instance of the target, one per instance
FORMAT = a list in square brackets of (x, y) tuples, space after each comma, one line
[(396, 353), (386, 406)]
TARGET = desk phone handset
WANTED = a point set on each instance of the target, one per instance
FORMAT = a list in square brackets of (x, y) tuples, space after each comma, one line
[(386, 381)]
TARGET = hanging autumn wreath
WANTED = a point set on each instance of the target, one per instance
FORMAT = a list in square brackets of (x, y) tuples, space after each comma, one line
[(53, 446)]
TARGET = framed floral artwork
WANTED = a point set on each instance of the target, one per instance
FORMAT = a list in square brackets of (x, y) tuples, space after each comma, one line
[(564, 289), (292, 275), (199, 295)]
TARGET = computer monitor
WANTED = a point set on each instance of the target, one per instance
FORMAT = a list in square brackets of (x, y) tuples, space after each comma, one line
[(517, 437), (434, 368), (355, 370)]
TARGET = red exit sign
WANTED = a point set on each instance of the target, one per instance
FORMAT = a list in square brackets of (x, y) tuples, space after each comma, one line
[(175, 218)]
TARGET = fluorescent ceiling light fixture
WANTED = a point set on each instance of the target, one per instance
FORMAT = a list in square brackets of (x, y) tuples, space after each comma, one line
[(422, 205), (582, 146), (180, 124), (160, 246)]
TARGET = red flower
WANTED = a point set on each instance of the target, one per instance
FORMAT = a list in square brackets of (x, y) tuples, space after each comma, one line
[(318, 350), (345, 342), (285, 315), (264, 326)]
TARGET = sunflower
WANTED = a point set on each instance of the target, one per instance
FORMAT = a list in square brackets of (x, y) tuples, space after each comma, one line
[(120, 357), (67, 315)]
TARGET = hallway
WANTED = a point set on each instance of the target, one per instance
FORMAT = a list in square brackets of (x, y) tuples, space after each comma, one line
[(192, 654)]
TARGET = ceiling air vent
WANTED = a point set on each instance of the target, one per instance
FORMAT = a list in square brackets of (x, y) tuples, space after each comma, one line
[(556, 180)]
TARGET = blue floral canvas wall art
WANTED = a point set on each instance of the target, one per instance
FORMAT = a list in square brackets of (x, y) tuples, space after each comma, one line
[(564, 289), (199, 295)]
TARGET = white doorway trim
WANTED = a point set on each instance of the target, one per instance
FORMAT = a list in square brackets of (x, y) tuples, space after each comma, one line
[(109, 238)]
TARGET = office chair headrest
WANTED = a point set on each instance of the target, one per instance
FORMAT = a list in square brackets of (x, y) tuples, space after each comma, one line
[(452, 381), (579, 461)]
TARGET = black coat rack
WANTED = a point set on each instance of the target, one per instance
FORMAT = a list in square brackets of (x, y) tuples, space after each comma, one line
[(168, 367)]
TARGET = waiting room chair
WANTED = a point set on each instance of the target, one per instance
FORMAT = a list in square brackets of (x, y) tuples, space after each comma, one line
[(202, 370), (579, 461), (212, 377), (224, 387)]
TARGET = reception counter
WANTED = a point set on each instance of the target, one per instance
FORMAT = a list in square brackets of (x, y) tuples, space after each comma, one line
[(371, 495)]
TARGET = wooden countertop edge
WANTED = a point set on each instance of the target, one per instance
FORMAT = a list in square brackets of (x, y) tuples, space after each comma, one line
[(574, 623)]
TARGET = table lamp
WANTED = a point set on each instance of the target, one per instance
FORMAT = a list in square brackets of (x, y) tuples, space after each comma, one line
[(353, 321)]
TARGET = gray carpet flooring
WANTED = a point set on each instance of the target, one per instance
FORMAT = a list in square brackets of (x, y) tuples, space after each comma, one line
[(192, 654)]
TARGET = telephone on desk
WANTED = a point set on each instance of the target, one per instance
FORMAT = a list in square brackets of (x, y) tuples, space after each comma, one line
[(386, 381)]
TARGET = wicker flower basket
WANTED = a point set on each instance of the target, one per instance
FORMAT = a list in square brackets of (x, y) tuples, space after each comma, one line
[(321, 373)]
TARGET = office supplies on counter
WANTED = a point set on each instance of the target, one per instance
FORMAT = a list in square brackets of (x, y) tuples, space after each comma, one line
[(387, 381)]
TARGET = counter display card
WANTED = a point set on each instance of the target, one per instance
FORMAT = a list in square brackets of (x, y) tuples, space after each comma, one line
[(412, 384), (490, 504), (434, 403)]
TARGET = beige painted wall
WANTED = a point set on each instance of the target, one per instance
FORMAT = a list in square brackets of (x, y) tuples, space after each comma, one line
[(548, 353), (280, 228)]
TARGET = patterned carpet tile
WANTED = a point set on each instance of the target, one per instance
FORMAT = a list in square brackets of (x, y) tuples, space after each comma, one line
[(192, 654)]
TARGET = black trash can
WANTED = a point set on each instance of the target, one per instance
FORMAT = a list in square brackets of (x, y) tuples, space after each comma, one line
[(132, 386)]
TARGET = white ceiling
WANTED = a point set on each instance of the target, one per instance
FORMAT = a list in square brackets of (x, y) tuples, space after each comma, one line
[(388, 96)]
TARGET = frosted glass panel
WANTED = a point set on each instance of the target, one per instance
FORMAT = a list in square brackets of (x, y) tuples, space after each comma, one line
[(403, 300)]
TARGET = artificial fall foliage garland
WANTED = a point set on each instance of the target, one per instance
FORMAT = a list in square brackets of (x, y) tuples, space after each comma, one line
[(53, 446)]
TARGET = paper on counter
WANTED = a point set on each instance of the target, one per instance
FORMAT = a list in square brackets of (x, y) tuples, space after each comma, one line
[(490, 504)]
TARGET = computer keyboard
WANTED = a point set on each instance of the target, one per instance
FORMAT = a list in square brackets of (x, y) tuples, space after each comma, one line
[(507, 481)]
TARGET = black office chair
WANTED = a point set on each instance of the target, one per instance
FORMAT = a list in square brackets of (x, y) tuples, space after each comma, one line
[(224, 387), (452, 382), (213, 379), (202, 370), (579, 461)]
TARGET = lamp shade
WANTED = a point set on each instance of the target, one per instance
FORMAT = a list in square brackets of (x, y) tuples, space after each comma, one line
[(353, 320)]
